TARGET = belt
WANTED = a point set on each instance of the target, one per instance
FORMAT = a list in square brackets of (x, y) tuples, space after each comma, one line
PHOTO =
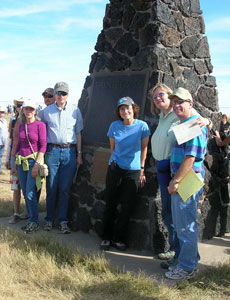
[(62, 146)]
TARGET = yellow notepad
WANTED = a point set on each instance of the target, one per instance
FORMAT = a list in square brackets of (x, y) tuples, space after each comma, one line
[(189, 185)]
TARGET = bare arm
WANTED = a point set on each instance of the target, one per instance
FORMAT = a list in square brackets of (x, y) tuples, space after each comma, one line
[(144, 148), (112, 144), (185, 167), (219, 142)]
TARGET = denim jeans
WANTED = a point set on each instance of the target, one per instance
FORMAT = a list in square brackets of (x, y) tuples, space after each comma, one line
[(2, 149), (62, 167), (28, 185), (121, 188), (167, 218), (185, 222)]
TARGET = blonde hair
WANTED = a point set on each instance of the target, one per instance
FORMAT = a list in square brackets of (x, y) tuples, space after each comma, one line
[(163, 87)]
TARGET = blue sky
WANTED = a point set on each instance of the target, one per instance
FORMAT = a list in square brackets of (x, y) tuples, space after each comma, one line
[(44, 41)]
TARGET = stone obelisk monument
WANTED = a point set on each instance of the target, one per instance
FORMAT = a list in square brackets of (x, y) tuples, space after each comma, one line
[(142, 43)]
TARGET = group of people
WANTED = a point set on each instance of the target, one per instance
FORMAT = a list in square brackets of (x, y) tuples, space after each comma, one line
[(56, 138), (128, 143), (53, 135)]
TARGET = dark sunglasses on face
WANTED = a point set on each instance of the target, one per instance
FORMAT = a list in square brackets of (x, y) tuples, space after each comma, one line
[(158, 95), (179, 101), (18, 105), (61, 93), (48, 96)]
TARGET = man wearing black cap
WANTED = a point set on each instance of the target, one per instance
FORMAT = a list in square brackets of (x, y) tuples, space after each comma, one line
[(48, 96), (64, 125)]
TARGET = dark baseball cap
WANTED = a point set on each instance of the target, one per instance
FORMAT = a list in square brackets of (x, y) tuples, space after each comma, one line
[(125, 101), (49, 91)]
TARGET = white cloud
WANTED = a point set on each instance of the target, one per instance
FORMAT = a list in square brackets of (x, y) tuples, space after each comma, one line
[(92, 23), (220, 24), (44, 6)]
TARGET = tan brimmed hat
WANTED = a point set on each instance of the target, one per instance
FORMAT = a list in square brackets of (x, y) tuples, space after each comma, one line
[(21, 100), (182, 94), (2, 109)]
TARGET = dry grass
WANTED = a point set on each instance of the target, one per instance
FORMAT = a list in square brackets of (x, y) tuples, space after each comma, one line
[(34, 267)]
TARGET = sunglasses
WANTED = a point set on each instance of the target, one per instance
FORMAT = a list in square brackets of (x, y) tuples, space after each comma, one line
[(61, 93), (179, 101), (159, 95), (18, 105), (48, 96)]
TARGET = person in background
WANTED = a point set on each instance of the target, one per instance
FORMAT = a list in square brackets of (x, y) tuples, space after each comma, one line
[(29, 154), (161, 144), (48, 96), (14, 132), (64, 125), (221, 141), (128, 139), (225, 124), (184, 157), (3, 136)]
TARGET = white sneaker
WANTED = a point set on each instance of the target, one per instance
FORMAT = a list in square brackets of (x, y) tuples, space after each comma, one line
[(179, 274)]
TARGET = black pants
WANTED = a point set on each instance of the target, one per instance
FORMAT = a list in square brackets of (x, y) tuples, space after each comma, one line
[(121, 188)]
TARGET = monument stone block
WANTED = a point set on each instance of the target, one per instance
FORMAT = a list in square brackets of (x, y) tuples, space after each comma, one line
[(107, 89)]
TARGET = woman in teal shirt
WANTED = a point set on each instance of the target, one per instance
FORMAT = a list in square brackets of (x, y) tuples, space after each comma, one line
[(128, 139)]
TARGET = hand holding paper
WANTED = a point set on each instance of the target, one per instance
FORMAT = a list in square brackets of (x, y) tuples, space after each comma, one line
[(186, 131)]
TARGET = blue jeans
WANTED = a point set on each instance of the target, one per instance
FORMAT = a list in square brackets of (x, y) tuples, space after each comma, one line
[(2, 148), (167, 218), (62, 167), (28, 185), (185, 222)]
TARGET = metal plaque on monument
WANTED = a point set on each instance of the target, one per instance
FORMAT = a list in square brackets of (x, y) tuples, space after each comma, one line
[(107, 88)]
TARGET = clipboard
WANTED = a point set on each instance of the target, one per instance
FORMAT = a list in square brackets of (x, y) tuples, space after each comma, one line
[(189, 185)]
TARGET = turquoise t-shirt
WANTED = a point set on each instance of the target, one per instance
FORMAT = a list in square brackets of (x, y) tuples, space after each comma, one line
[(128, 138)]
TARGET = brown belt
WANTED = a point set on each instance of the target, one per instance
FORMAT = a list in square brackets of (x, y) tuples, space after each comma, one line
[(62, 146)]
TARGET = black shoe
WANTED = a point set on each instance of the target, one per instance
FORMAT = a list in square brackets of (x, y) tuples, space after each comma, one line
[(105, 245), (119, 246)]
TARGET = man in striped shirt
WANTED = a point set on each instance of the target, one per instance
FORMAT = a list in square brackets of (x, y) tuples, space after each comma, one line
[(184, 157)]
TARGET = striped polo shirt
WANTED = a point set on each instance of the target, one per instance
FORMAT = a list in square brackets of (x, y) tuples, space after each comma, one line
[(195, 147)]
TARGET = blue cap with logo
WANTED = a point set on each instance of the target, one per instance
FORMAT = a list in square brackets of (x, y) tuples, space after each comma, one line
[(125, 101)]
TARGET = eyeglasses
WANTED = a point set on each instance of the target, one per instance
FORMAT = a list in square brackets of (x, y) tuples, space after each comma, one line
[(158, 95), (48, 96), (179, 101), (61, 93), (18, 105)]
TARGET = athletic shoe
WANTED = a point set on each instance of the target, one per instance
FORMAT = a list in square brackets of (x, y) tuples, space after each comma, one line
[(169, 263), (31, 227), (14, 219), (48, 226), (179, 274), (105, 245), (119, 246), (166, 255), (64, 228), (24, 215)]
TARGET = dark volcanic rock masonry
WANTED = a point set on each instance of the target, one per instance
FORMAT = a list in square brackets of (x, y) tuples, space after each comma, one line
[(165, 40)]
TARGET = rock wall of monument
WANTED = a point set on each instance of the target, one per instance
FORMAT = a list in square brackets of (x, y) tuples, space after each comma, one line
[(166, 38)]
